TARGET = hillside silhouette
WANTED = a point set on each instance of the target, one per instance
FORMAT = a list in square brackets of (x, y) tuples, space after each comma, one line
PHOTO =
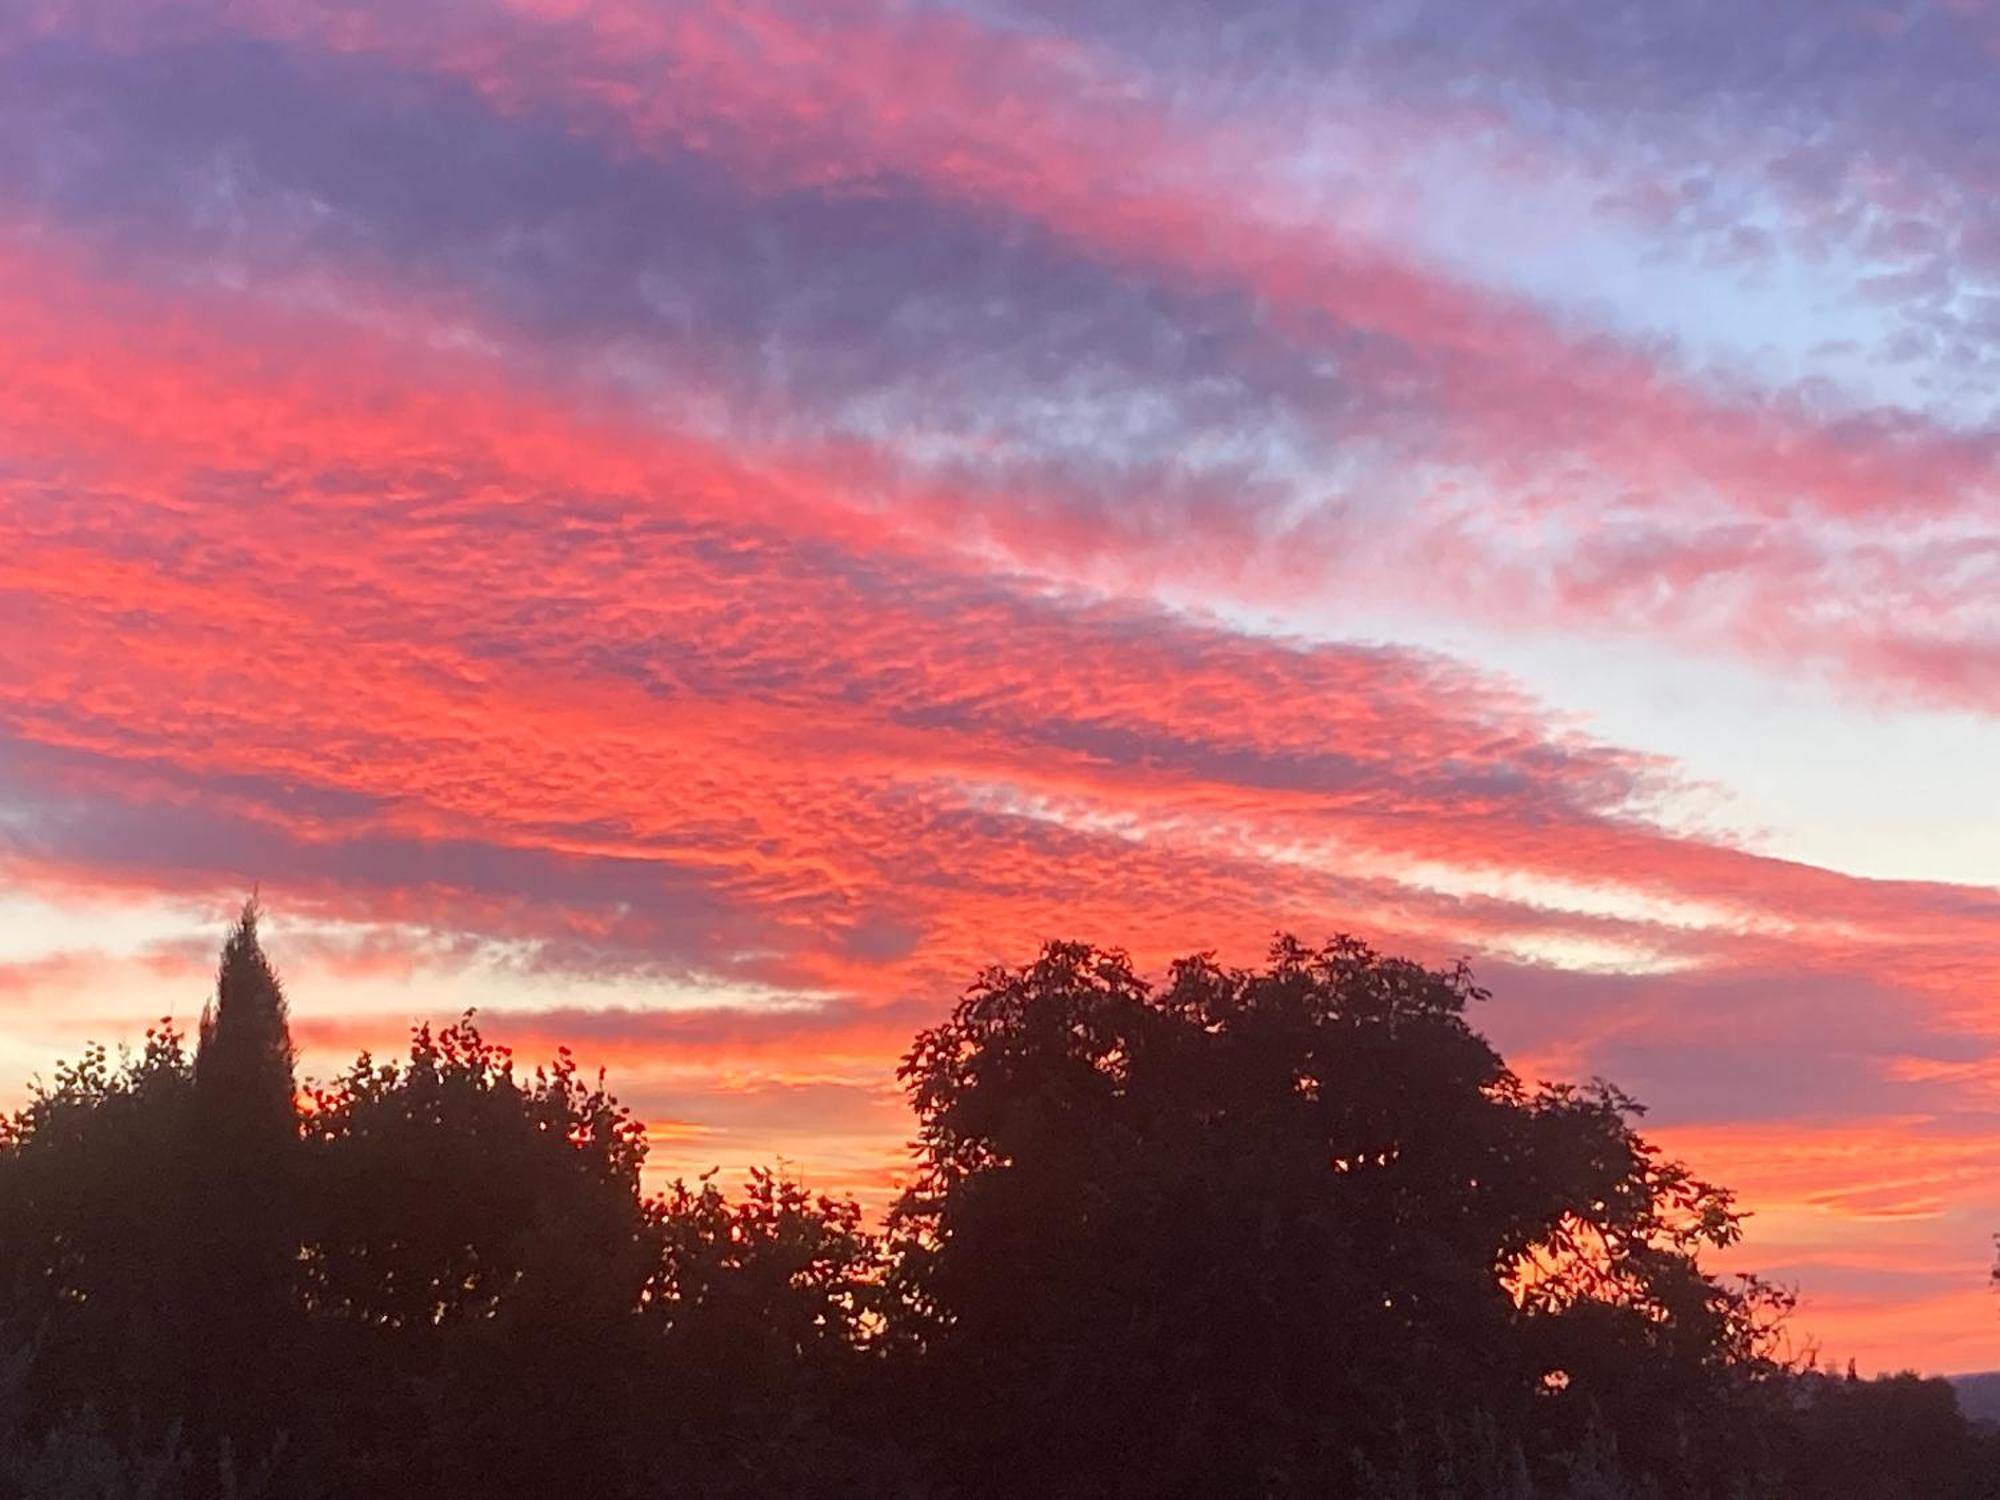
[(1293, 1230)]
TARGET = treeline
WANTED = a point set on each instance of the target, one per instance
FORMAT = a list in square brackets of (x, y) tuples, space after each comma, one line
[(1289, 1231)]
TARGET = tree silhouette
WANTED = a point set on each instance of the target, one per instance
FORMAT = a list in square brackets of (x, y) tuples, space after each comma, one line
[(477, 1252), (1897, 1438), (1226, 1236), (504, 1312), (770, 1317), (244, 1062), (448, 1188), (1281, 1231), (246, 1234), (96, 1228)]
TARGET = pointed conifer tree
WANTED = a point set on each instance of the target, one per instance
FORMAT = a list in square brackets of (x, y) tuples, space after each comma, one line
[(245, 1181), (244, 1065)]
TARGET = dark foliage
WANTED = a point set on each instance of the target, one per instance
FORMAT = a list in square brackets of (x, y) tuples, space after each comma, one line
[(1899, 1438), (98, 1233), (1250, 1227), (243, 1188), (476, 1248), (243, 1079), (1294, 1230)]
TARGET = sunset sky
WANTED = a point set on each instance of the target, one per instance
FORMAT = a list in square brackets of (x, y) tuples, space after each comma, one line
[(693, 525)]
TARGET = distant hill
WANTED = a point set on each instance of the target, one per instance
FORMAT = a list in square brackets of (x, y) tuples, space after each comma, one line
[(1979, 1395)]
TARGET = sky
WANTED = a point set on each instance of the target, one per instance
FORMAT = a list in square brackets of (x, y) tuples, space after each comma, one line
[(695, 525)]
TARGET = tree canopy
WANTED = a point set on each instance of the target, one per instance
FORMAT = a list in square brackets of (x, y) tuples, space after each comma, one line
[(1256, 1222), (1286, 1230)]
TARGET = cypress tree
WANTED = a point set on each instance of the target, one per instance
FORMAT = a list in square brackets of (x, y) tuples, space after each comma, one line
[(243, 1066), (245, 1180)]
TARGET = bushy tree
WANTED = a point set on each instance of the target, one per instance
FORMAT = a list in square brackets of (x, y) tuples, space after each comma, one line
[(450, 1188), (97, 1250), (1895, 1438), (477, 1248), (770, 1309), (1229, 1235), (500, 1310)]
